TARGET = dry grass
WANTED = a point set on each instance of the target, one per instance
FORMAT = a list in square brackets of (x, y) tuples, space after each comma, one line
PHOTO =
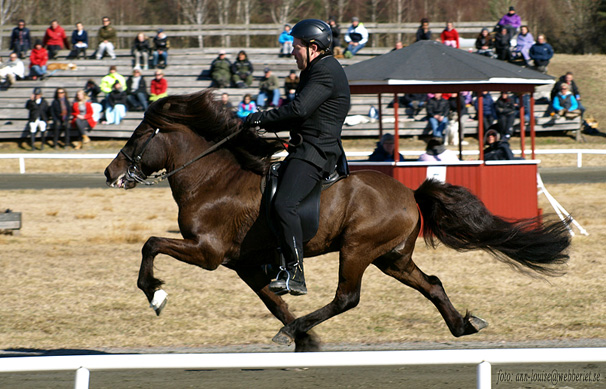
[(70, 282)]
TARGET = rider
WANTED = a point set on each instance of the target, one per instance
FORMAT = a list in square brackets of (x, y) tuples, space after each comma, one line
[(315, 118)]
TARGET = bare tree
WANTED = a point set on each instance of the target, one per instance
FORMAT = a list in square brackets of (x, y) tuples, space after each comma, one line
[(223, 8), (7, 9), (195, 12), (282, 12)]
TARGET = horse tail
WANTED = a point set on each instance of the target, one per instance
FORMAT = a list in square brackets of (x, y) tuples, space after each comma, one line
[(462, 222)]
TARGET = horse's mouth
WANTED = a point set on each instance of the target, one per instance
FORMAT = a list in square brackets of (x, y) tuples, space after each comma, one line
[(121, 182)]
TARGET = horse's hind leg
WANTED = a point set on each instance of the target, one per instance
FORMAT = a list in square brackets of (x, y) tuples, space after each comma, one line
[(401, 267), (258, 280)]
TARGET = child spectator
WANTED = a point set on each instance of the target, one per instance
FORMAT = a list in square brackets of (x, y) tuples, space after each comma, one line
[(161, 46), (450, 36), (61, 112), (55, 39), (116, 105), (158, 87), (37, 61), (285, 40), (246, 107), (107, 39), (38, 116), (82, 120), (79, 42)]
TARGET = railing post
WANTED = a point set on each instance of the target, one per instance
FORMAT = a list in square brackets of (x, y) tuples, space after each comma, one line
[(21, 165), (580, 159), (484, 375), (82, 378)]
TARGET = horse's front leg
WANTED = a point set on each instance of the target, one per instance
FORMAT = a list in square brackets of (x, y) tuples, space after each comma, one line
[(257, 279), (190, 251)]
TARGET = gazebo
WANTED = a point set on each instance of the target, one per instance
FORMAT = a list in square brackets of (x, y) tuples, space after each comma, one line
[(430, 67)]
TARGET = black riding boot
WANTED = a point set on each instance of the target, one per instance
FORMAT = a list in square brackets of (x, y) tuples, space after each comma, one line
[(43, 140), (290, 279), (33, 136)]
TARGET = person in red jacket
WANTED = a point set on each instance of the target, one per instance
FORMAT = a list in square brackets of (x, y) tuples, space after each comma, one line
[(158, 87), (55, 39), (450, 36), (82, 111), (38, 59)]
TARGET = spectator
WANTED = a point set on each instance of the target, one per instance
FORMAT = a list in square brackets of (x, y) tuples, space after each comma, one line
[(82, 120), (136, 91), (568, 78), (488, 109), (107, 82), (226, 104), (502, 44), (437, 113), (269, 88), (485, 43), (285, 40), (565, 104), (159, 86), (524, 43), (399, 45), (437, 152), (356, 37), (412, 102), (37, 117), (384, 152), (140, 51), (541, 53), (336, 34), (79, 42), (495, 149), (161, 46), (116, 105), (55, 39), (242, 71), (107, 39), (450, 36), (92, 90), (13, 70), (220, 71), (506, 109), (246, 107), (423, 32), (290, 86), (511, 21), (61, 112), (37, 61), (21, 41)]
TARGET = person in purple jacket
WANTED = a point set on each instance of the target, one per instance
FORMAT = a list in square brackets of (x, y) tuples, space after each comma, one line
[(524, 43), (511, 21)]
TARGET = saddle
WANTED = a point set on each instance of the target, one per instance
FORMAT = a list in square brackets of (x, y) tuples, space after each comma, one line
[(309, 209)]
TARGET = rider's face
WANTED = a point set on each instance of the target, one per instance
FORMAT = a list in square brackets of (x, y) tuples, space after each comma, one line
[(299, 50)]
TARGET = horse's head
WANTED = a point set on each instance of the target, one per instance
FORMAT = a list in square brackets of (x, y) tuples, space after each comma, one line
[(140, 156)]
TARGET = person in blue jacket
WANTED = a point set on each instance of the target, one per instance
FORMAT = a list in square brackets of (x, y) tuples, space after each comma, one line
[(565, 104), (541, 53), (385, 150), (285, 40), (79, 42), (489, 111)]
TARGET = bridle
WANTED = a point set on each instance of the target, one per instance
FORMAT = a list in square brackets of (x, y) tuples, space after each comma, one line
[(135, 174)]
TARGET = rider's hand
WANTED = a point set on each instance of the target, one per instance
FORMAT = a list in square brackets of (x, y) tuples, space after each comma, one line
[(253, 120)]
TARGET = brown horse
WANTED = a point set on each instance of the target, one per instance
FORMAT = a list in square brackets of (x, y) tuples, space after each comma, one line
[(215, 172)]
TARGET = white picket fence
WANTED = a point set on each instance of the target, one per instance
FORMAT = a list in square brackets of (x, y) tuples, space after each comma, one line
[(483, 358), (22, 156)]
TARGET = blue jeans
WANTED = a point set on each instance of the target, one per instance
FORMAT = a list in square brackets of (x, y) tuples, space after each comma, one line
[(354, 49), (263, 96), (438, 127), (160, 56), (116, 114), (37, 70), (138, 99)]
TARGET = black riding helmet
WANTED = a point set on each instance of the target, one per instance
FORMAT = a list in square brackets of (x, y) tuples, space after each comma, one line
[(313, 31)]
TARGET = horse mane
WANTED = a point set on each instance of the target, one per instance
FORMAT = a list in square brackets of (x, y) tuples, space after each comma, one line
[(203, 114)]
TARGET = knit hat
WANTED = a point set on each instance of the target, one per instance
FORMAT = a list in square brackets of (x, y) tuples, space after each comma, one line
[(37, 91)]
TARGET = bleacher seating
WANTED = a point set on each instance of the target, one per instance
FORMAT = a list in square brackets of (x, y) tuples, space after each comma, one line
[(185, 74)]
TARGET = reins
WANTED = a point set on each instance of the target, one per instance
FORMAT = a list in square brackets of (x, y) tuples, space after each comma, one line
[(133, 169)]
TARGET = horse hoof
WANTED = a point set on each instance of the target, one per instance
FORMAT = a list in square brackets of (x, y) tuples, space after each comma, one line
[(159, 301), (477, 323), (283, 338)]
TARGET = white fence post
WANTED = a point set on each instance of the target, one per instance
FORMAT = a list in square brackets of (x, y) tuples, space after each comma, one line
[(21, 165), (82, 378), (484, 375)]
